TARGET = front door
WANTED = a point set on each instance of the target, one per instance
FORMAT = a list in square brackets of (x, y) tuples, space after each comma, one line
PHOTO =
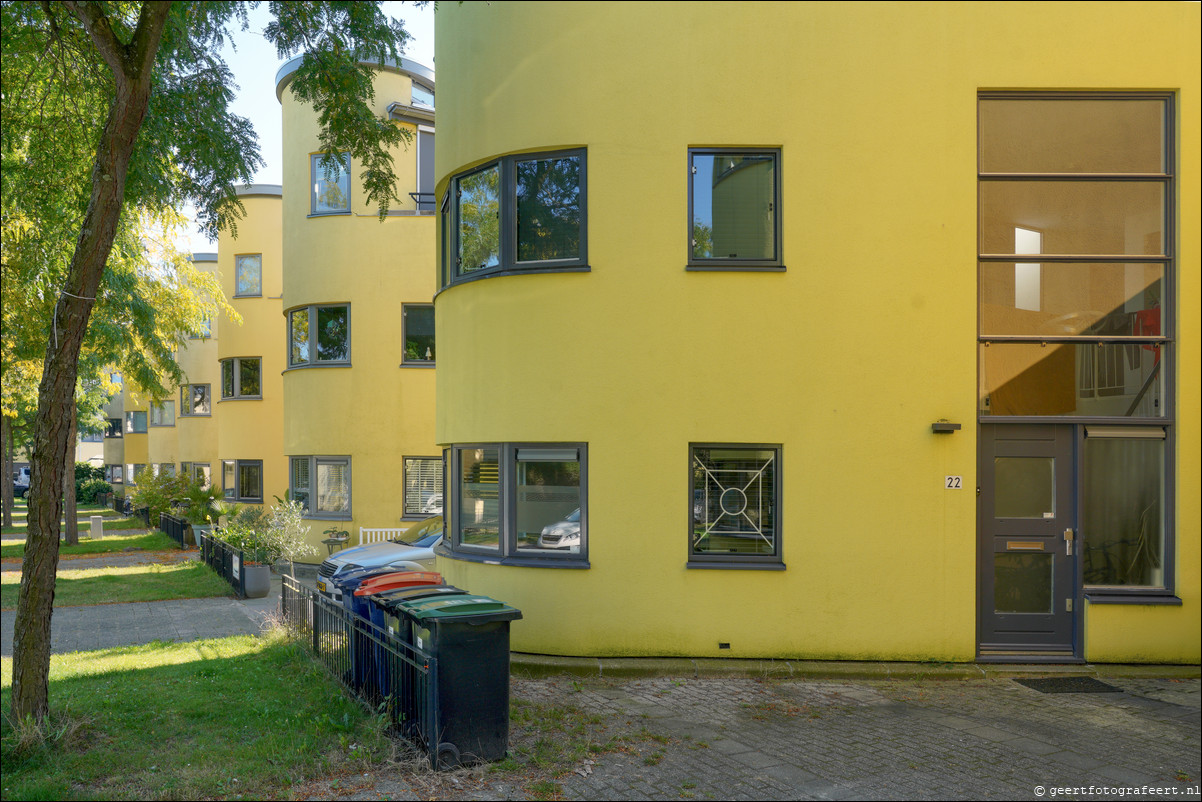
[(1027, 587)]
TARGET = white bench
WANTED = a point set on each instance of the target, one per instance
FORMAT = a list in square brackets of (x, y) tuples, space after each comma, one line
[(378, 535)]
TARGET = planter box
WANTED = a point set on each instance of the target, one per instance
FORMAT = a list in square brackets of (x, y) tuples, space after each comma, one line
[(258, 580)]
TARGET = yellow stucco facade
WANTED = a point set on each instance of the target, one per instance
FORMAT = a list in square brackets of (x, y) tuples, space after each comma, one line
[(842, 360)]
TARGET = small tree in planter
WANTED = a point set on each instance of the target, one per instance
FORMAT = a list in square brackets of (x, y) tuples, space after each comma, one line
[(265, 538)]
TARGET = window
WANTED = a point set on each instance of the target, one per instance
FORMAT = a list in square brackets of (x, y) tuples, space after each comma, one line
[(205, 331), (332, 343), (423, 486), (425, 169), (135, 422), (92, 437), (331, 183), (198, 471), (519, 213), (322, 485), (240, 378), (734, 209), (164, 468), (421, 96), (195, 399), (242, 480), (248, 275), (417, 322), (162, 414), (133, 471), (734, 506), (523, 504), (112, 474), (113, 431)]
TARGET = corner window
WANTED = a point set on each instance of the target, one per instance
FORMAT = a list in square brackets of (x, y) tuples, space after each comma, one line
[(135, 422), (331, 183), (319, 335), (248, 276), (322, 485), (240, 378), (734, 208), (520, 503), (417, 322), (242, 480), (195, 399), (162, 414), (734, 506), (112, 429), (423, 486), (522, 212)]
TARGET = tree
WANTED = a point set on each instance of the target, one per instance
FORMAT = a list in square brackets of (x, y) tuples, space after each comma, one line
[(167, 139)]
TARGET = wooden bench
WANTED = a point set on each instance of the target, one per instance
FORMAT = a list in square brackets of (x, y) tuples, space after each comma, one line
[(378, 535)]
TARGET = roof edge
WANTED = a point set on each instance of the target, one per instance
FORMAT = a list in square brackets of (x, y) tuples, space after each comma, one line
[(419, 72), (249, 190)]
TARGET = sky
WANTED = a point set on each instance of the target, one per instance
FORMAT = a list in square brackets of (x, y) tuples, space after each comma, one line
[(254, 64)]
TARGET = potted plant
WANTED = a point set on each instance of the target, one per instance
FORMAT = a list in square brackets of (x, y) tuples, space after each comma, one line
[(264, 539)]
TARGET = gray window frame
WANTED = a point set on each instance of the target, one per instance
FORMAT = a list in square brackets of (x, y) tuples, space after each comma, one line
[(762, 562), (406, 514), (313, 362), (773, 265), (238, 463), (162, 407), (507, 552), (314, 166), (237, 363), (237, 294), (314, 461), (131, 418), (115, 429), (405, 360), (185, 400), (507, 222)]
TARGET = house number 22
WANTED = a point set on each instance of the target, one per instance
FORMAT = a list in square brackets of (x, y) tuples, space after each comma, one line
[(953, 482)]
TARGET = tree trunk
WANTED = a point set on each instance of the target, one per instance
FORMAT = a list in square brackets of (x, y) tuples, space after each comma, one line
[(6, 446), (132, 67), (70, 514)]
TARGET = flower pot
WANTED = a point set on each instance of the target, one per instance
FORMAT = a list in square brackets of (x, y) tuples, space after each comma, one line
[(258, 580), (201, 529)]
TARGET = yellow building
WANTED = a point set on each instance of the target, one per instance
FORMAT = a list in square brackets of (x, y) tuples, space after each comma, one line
[(358, 377), (196, 424), (824, 330)]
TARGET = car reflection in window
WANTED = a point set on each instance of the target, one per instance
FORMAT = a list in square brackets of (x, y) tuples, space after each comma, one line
[(563, 534)]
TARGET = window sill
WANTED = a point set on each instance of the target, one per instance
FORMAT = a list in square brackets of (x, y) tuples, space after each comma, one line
[(734, 267), (328, 516), (417, 364), (1111, 597), (442, 550), (339, 213), (199, 415), (242, 398), (291, 368), (513, 271), (734, 566), (247, 295)]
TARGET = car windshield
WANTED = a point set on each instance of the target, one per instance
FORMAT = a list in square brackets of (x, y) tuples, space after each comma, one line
[(574, 516), (424, 534)]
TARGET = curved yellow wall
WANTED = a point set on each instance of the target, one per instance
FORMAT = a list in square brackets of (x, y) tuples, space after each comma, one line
[(250, 429), (845, 359), (199, 360), (373, 411)]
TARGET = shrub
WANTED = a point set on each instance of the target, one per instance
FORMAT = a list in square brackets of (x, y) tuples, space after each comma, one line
[(87, 491), (156, 493), (265, 537)]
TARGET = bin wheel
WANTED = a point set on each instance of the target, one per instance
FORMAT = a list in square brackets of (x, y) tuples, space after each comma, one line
[(448, 757)]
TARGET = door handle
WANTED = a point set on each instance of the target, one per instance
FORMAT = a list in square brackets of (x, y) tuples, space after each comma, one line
[(1068, 542)]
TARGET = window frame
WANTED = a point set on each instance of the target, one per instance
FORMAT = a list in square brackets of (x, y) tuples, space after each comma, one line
[(237, 496), (115, 429), (131, 418), (406, 513), (185, 400), (158, 410), (507, 235), (114, 473), (313, 362), (237, 361), (507, 552), (776, 264), (405, 360), (763, 562), (237, 294), (314, 462), (314, 166)]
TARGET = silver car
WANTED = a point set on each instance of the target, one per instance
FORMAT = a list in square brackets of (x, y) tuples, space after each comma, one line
[(414, 553), (563, 534)]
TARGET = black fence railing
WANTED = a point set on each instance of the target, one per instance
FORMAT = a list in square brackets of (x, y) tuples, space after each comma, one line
[(379, 666), (227, 561), (174, 528)]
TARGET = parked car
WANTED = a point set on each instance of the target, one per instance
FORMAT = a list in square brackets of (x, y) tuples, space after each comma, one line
[(414, 553), (20, 482), (563, 534)]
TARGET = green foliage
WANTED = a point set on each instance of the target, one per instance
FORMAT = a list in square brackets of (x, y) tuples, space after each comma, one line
[(201, 502), (267, 536), (156, 493), (87, 490)]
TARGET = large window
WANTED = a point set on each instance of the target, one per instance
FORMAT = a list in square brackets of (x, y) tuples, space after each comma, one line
[(135, 422), (322, 485), (423, 486), (520, 503), (1077, 310), (195, 399), (319, 335), (331, 183), (248, 276), (734, 209), (242, 480), (417, 321), (240, 377), (112, 430), (162, 414), (524, 212), (735, 506)]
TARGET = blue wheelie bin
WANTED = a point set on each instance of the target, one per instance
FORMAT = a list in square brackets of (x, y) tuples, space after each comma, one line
[(361, 662), (392, 674)]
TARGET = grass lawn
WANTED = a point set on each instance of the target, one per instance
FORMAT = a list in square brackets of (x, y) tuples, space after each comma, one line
[(112, 519), (229, 718), (133, 583), (149, 541)]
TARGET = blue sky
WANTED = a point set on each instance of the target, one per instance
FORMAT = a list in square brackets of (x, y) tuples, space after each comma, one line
[(254, 65)]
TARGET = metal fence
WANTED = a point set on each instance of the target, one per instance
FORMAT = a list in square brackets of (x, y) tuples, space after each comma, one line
[(174, 528), (378, 665), (228, 562)]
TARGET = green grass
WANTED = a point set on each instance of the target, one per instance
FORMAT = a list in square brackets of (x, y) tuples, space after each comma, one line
[(112, 519), (213, 719), (133, 583), (149, 541)]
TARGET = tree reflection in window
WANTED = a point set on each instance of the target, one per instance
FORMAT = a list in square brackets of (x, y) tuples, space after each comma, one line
[(479, 223), (548, 209)]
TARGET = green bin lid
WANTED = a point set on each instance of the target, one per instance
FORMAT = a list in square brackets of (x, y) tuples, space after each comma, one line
[(455, 609)]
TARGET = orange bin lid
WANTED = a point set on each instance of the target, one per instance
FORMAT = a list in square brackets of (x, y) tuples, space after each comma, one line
[(401, 579)]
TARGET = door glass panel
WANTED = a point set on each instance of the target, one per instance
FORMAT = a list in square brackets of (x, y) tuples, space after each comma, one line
[(1122, 522), (1022, 583), (1024, 487)]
